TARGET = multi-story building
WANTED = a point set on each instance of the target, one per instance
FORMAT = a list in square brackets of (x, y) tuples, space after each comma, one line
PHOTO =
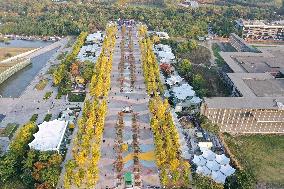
[(261, 30), (258, 89)]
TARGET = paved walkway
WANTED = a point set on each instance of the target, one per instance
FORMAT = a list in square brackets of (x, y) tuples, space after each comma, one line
[(138, 100), (31, 101)]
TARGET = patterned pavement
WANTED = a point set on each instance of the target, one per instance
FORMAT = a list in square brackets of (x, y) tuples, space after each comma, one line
[(138, 100)]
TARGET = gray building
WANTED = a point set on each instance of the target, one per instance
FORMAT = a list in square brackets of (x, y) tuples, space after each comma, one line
[(257, 105)]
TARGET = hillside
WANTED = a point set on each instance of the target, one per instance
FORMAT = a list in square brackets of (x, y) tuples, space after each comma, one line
[(275, 3)]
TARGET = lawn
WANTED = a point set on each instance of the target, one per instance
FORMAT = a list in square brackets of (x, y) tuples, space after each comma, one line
[(263, 155), (9, 130), (41, 84), (47, 95), (7, 52)]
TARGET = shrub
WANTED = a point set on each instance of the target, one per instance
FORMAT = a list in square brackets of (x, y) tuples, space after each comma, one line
[(76, 97), (47, 117), (47, 95), (34, 118), (41, 84), (9, 130)]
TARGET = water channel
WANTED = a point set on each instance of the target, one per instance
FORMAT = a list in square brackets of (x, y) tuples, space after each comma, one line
[(16, 84)]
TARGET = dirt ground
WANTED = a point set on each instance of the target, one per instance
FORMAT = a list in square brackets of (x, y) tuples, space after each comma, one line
[(7, 52)]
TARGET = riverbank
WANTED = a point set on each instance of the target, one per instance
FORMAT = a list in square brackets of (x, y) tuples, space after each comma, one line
[(8, 52), (20, 109), (6, 38)]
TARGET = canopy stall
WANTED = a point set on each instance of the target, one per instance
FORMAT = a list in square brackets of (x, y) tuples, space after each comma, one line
[(213, 165), (227, 170), (183, 91), (218, 177), (208, 154), (49, 136), (222, 159)]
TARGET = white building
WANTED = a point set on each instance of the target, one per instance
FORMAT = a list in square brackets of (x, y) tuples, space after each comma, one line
[(50, 136), (163, 35)]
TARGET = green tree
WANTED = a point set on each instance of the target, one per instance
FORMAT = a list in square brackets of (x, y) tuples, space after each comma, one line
[(87, 71), (185, 68), (198, 81)]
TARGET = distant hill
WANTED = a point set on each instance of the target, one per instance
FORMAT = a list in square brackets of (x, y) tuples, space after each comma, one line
[(149, 2), (275, 3)]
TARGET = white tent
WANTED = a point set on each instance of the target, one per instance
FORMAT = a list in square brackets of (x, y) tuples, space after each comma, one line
[(203, 170), (174, 79), (213, 165), (184, 152), (217, 176), (95, 37), (195, 100), (183, 91), (167, 55), (208, 154), (227, 170), (162, 35), (222, 159), (199, 160), (49, 136), (162, 47), (202, 149)]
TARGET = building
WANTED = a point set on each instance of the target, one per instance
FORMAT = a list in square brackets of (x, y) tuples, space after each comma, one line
[(258, 90), (239, 44), (50, 136), (261, 30), (187, 4), (163, 35)]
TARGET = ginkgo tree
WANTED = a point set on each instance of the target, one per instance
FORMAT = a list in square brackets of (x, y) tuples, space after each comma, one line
[(149, 63), (100, 82), (83, 171), (174, 171)]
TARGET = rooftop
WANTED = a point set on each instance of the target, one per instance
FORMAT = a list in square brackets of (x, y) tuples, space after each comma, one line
[(254, 77), (245, 102), (269, 60), (267, 87), (49, 136)]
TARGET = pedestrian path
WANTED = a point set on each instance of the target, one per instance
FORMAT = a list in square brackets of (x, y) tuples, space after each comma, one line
[(137, 99)]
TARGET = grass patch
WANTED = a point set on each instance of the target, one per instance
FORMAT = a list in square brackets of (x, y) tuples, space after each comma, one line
[(76, 97), (47, 117), (13, 184), (62, 55), (41, 84), (9, 130), (263, 155), (7, 52), (47, 95), (34, 118)]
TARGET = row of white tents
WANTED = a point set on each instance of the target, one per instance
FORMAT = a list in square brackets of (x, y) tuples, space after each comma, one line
[(91, 51), (164, 53), (213, 165)]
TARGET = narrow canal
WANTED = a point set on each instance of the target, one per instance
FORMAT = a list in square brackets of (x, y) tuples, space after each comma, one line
[(16, 84)]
